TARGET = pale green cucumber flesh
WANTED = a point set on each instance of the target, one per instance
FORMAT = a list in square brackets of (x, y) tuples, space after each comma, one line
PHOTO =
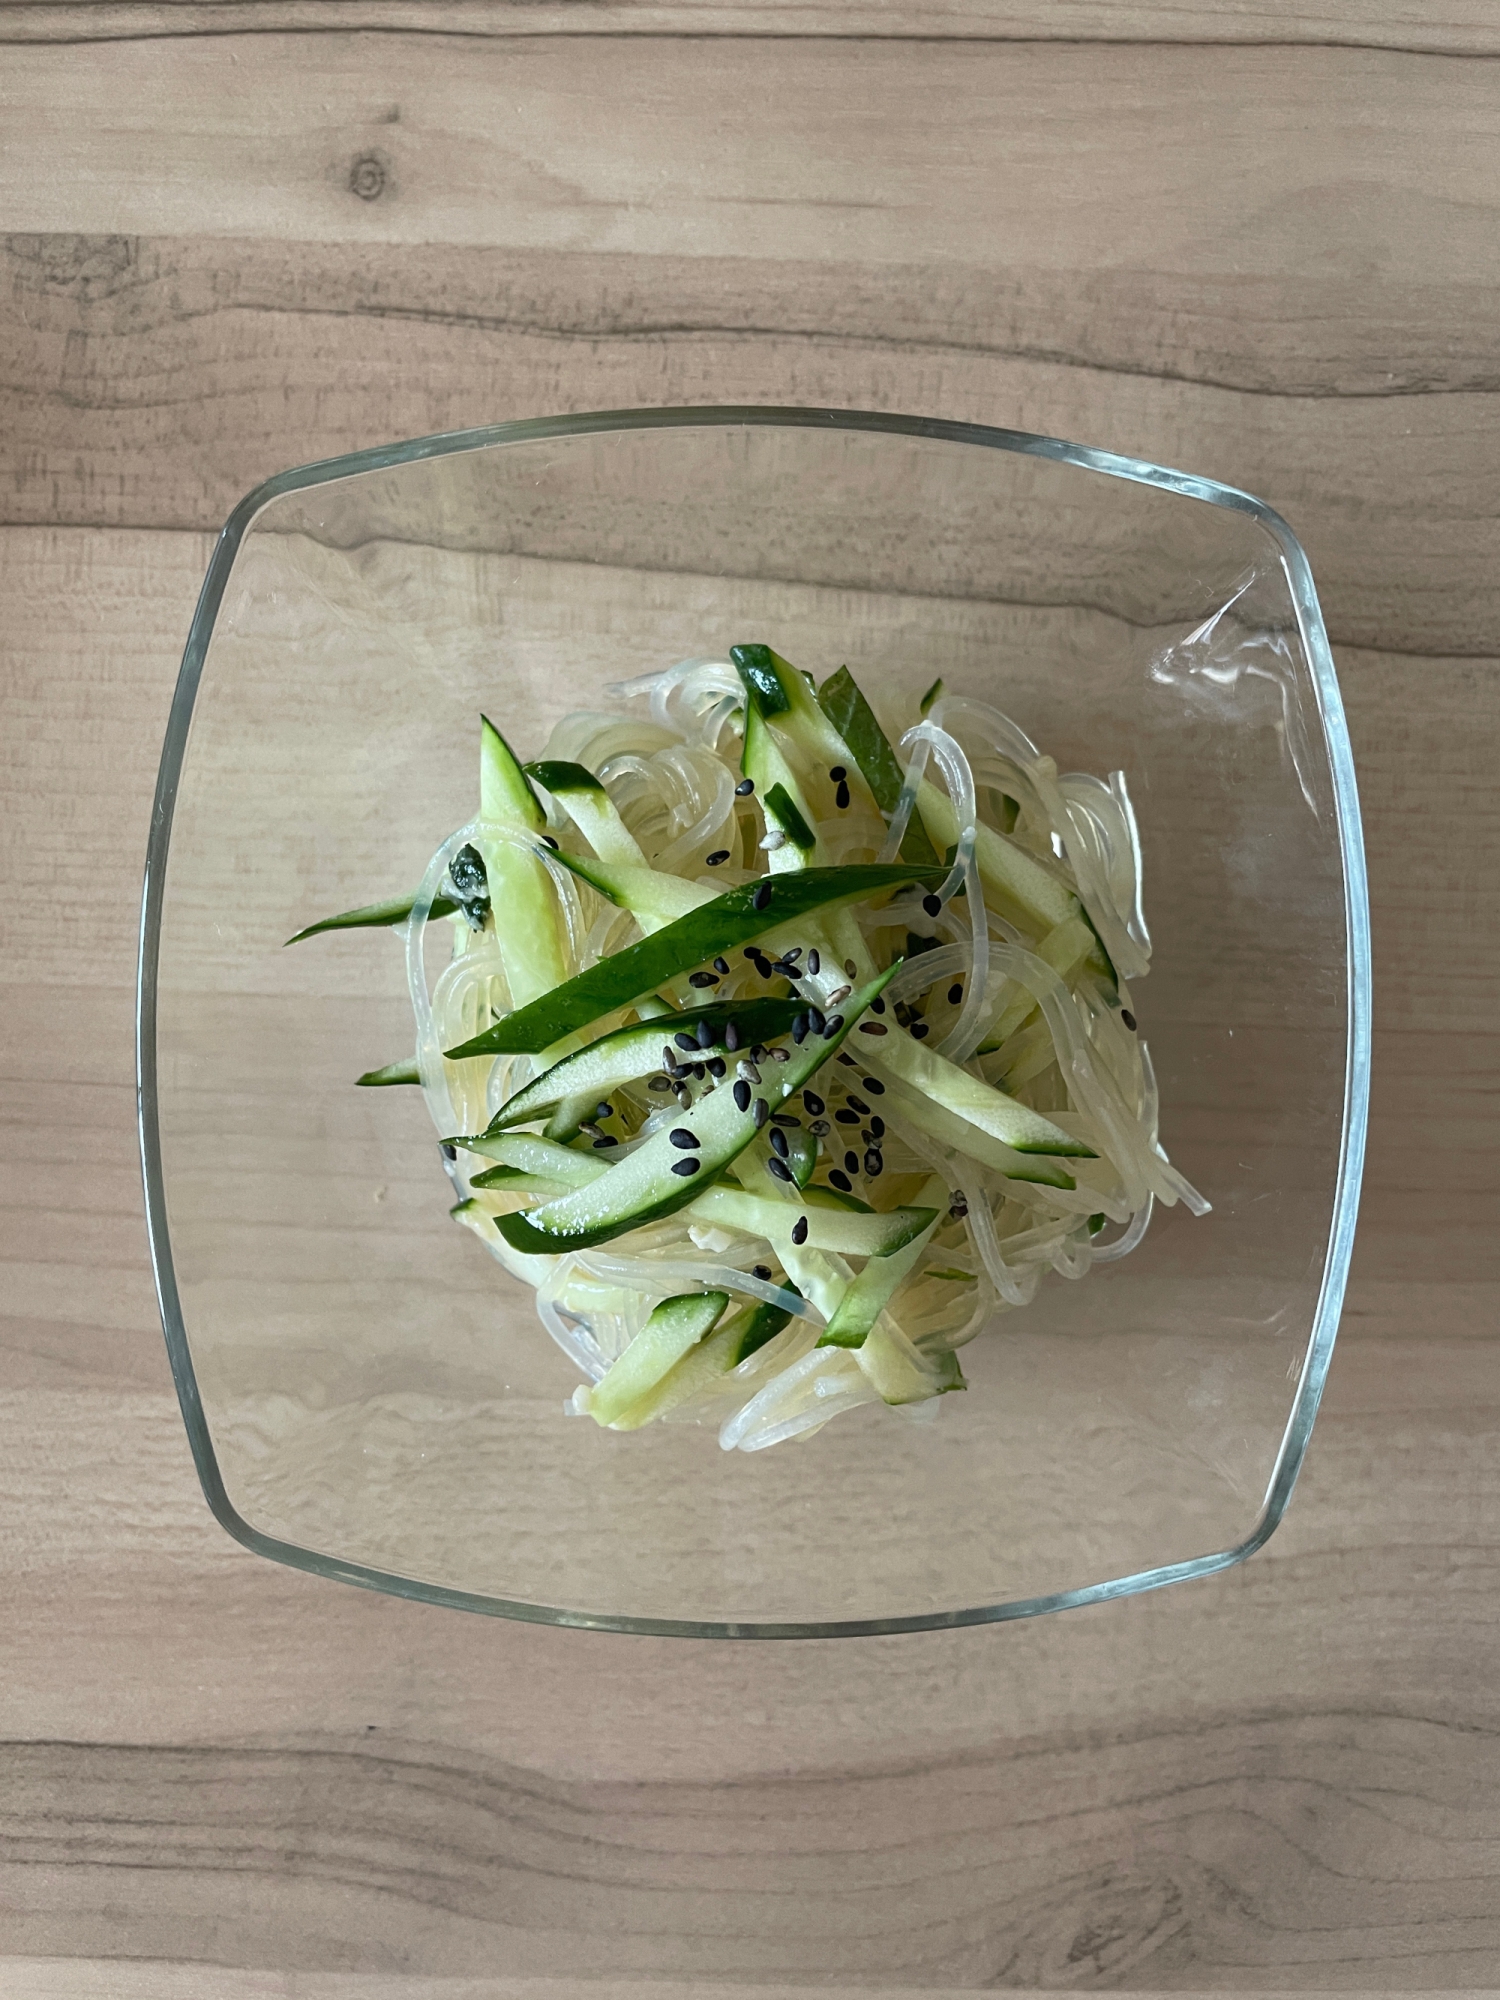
[(846, 1232), (505, 793), (714, 1357), (675, 1327), (968, 1097)]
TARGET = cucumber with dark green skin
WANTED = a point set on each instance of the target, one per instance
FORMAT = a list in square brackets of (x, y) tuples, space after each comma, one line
[(723, 1351), (377, 916), (560, 777), (852, 716), (729, 921), (870, 1293), (781, 810), (674, 1329), (396, 1072), (648, 1184), (590, 808), (630, 1053)]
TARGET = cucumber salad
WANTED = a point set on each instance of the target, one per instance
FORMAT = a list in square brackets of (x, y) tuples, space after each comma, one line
[(777, 1057)]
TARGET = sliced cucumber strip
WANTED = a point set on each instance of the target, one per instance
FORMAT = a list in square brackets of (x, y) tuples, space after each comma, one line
[(654, 899), (525, 1152), (673, 1330), (847, 1232), (591, 810), (943, 1083), (950, 1130), (713, 1358), (870, 1293), (396, 1072), (522, 897), (630, 1053), (766, 910), (376, 916), (665, 1174), (852, 716)]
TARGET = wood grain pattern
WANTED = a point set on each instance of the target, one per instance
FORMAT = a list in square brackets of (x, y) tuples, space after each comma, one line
[(1458, 27), (1273, 264)]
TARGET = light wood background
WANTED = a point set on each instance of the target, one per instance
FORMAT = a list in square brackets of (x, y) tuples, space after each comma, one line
[(1258, 240)]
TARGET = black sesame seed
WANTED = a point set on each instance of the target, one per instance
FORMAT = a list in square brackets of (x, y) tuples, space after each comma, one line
[(819, 1128), (603, 1141), (685, 1167), (851, 1163), (705, 1035), (933, 905), (850, 968), (604, 1109), (844, 1057), (955, 992), (790, 957), (877, 1126), (814, 964), (874, 1163), (845, 1116), (742, 1095), (761, 900), (703, 979), (731, 1036), (686, 1041), (814, 1103), (959, 1204), (687, 1142), (778, 1142), (873, 1028), (799, 1229), (721, 966), (833, 1027), (761, 1271), (779, 1168), (841, 1181), (873, 1084), (799, 1029), (858, 1104), (817, 1020), (450, 1152), (550, 842), (1128, 1018), (762, 1113), (877, 1005), (717, 1066), (837, 773), (717, 858), (841, 798), (920, 1031), (700, 1071), (752, 952), (660, 1083), (744, 788)]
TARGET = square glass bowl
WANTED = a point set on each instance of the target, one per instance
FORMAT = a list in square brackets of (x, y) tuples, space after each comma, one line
[(367, 1394)]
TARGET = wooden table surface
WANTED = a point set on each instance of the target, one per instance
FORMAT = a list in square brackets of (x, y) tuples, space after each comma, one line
[(1261, 241)]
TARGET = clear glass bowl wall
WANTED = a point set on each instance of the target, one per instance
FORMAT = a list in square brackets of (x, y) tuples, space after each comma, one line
[(368, 1393)]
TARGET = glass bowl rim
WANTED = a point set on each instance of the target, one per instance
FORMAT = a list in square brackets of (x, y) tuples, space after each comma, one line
[(1320, 1345)]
